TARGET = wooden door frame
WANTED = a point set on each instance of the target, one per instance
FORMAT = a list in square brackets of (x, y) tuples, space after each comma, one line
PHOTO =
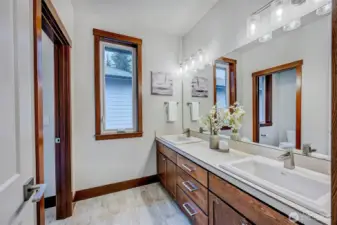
[(334, 114), (293, 65), (45, 18)]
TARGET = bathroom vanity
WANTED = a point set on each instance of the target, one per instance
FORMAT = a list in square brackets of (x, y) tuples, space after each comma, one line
[(210, 195)]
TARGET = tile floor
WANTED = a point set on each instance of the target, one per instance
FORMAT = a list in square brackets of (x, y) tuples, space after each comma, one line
[(146, 205)]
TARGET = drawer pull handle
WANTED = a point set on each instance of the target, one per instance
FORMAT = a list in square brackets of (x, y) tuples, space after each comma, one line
[(190, 186), (188, 168), (187, 210)]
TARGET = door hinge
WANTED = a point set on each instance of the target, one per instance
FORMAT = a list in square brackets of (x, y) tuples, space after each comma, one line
[(57, 140)]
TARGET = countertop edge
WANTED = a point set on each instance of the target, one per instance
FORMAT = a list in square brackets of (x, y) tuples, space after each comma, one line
[(267, 199)]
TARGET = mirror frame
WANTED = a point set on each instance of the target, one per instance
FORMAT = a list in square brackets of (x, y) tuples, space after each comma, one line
[(255, 78)]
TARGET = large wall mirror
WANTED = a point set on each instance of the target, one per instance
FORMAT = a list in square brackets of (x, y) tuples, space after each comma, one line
[(283, 84)]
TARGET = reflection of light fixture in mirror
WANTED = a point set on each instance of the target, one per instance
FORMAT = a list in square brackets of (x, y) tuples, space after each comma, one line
[(266, 37), (180, 68), (192, 63), (324, 10), (297, 2), (277, 8), (292, 25), (185, 66), (200, 56), (252, 25)]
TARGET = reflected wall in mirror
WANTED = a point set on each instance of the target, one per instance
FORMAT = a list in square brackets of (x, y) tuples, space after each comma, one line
[(277, 103), (288, 104), (221, 86)]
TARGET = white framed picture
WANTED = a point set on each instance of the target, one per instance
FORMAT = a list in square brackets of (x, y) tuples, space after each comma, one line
[(199, 87), (161, 83)]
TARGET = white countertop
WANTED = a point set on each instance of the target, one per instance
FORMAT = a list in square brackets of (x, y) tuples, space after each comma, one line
[(201, 154)]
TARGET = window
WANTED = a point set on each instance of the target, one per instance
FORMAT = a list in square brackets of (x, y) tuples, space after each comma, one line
[(265, 100), (118, 94), (222, 90)]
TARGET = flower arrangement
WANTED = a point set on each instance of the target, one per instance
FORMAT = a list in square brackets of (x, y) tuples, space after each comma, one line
[(233, 117), (214, 120)]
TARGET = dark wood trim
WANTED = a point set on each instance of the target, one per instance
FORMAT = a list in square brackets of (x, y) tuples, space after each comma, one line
[(46, 19), (118, 136), (231, 80), (115, 36), (278, 68), (56, 29), (293, 65), (269, 101), (111, 188), (334, 115), (266, 124), (38, 104), (50, 202), (63, 131), (298, 106), (100, 35)]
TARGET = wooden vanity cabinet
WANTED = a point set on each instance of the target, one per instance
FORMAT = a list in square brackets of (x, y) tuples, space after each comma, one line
[(208, 199), (161, 168), (222, 214), (171, 178)]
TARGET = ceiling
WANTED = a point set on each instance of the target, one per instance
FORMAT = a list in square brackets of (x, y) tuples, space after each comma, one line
[(176, 17)]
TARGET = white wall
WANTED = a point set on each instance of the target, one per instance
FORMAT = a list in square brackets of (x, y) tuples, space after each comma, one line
[(312, 44), (103, 162), (221, 30), (48, 114), (65, 11)]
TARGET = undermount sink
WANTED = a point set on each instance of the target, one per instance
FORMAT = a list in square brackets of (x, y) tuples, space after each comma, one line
[(181, 139), (306, 188)]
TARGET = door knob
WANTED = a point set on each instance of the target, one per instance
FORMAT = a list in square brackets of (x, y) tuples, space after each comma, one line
[(29, 188)]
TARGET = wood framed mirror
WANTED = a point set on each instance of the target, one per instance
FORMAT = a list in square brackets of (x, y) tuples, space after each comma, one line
[(262, 116)]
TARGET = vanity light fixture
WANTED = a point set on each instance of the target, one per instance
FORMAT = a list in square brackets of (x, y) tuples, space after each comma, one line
[(297, 2), (266, 37), (277, 8), (324, 10), (252, 24), (292, 25)]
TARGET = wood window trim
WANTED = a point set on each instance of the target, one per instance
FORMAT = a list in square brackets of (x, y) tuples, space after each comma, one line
[(232, 82), (293, 65), (101, 35), (269, 102)]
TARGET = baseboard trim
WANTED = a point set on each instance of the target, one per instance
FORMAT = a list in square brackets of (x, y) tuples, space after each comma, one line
[(111, 188), (49, 202)]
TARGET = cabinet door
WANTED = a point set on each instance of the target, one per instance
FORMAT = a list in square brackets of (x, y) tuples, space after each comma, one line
[(221, 214), (161, 168), (171, 178)]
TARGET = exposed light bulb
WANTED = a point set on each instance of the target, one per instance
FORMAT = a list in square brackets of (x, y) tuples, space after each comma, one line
[(324, 10), (266, 37), (180, 69), (292, 25), (253, 25), (200, 56)]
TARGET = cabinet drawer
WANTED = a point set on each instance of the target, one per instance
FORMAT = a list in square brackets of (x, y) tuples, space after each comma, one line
[(193, 170), (193, 189), (251, 208), (191, 210), (172, 155)]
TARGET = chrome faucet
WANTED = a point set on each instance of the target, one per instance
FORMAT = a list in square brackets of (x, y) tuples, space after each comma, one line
[(307, 150), (288, 158), (187, 132)]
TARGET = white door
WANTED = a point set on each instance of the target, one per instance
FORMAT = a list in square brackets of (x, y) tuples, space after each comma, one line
[(16, 111)]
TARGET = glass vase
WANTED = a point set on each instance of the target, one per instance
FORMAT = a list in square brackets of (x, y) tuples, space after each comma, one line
[(214, 141)]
